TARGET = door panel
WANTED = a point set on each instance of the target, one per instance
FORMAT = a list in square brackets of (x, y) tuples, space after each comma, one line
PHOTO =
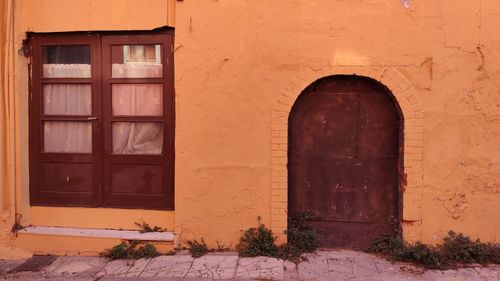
[(64, 121), (138, 122), (343, 165), (134, 179), (325, 122), (67, 177)]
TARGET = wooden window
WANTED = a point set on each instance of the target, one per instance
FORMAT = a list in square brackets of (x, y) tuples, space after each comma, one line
[(102, 120)]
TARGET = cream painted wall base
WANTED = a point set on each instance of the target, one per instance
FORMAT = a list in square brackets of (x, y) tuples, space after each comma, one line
[(87, 242), (99, 233)]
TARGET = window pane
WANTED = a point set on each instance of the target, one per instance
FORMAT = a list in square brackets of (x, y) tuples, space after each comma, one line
[(67, 136), (67, 99), (66, 61), (136, 61), (137, 137), (137, 99)]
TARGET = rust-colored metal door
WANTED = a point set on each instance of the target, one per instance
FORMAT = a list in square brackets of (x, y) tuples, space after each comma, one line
[(344, 160)]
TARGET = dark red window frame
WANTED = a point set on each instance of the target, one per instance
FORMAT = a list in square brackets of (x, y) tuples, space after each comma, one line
[(96, 167)]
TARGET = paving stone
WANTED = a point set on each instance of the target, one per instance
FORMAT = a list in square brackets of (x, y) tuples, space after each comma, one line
[(42, 278), (260, 267), (75, 266), (290, 271), (341, 265), (116, 268), (8, 265), (168, 266), (315, 268), (214, 266), (488, 273), (158, 279), (462, 274), (35, 263), (323, 265), (137, 267), (386, 276)]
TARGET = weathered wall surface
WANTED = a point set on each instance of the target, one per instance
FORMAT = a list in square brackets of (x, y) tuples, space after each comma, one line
[(236, 59), (83, 15), (17, 18), (239, 66)]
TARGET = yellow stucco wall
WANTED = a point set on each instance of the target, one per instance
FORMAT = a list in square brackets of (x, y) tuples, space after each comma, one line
[(54, 16), (239, 65)]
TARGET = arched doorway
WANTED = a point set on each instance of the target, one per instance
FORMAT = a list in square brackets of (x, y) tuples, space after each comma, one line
[(345, 160)]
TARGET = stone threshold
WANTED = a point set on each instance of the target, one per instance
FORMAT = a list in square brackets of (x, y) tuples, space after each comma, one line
[(99, 233)]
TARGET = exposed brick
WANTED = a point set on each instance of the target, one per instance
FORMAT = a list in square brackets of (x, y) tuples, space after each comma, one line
[(276, 114), (279, 140), (413, 139), (414, 115), (413, 143), (281, 225), (280, 205), (279, 192), (279, 199), (278, 212), (279, 185), (285, 101), (414, 129), (413, 100), (279, 153), (418, 136), (279, 127), (414, 150), (281, 107), (278, 160), (418, 122)]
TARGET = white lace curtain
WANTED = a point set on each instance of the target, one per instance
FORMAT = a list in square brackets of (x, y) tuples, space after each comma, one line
[(76, 99)]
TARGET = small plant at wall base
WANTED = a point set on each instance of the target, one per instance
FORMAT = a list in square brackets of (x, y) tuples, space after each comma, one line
[(145, 227), (456, 250), (260, 241), (197, 249), (257, 241), (131, 250), (387, 244), (17, 224), (302, 238), (301, 235)]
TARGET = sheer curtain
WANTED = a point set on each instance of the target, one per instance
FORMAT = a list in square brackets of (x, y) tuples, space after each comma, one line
[(67, 99), (137, 137), (137, 100), (127, 100)]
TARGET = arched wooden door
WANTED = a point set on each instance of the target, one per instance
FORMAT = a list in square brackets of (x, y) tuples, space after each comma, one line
[(344, 149)]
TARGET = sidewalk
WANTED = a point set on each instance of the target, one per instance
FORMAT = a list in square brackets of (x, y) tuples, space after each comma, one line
[(322, 265)]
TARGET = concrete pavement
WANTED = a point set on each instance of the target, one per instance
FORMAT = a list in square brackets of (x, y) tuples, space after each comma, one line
[(322, 265)]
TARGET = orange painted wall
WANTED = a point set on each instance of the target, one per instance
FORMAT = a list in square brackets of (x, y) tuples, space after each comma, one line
[(239, 65)]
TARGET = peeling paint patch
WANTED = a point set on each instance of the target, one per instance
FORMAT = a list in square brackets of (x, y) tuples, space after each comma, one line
[(454, 202), (405, 3)]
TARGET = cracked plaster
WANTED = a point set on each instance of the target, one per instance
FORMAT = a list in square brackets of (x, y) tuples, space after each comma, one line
[(239, 66)]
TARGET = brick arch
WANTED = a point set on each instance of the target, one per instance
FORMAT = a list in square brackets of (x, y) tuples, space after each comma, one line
[(410, 105)]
